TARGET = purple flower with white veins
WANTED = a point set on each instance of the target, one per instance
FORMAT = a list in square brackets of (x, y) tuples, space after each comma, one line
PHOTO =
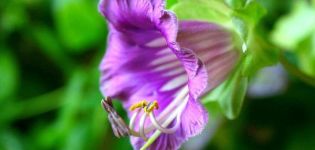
[(160, 67)]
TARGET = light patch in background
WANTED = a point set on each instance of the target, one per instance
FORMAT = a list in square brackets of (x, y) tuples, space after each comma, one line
[(268, 82), (202, 140)]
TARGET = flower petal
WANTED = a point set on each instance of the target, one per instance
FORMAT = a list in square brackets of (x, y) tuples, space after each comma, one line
[(129, 69), (213, 45), (194, 118), (132, 54), (133, 73), (127, 14), (145, 61)]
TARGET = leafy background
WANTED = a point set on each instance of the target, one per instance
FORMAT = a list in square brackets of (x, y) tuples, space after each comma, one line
[(49, 90)]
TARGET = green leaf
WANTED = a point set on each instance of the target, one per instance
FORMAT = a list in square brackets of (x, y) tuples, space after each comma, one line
[(170, 3), (233, 96), (8, 74), (306, 55), (214, 109), (67, 118), (77, 137), (245, 19), (230, 94), (79, 24), (288, 60), (13, 16), (213, 11), (296, 32), (261, 54), (9, 140), (295, 27), (252, 12), (51, 47), (236, 4), (241, 28)]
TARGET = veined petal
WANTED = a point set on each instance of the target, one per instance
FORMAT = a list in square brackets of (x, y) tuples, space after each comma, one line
[(127, 14), (194, 118), (213, 45), (131, 59)]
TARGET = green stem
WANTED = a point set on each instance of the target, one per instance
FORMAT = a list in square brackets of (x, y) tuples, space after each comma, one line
[(295, 71), (151, 140)]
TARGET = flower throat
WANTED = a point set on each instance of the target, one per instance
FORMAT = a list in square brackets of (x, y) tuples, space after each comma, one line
[(146, 109)]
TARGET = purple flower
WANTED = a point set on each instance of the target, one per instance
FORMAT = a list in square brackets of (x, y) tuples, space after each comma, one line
[(152, 56)]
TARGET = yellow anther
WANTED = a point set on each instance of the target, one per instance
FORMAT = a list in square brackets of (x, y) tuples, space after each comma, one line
[(141, 104), (151, 106)]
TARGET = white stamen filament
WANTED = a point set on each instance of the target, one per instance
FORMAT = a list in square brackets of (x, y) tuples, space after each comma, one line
[(132, 123), (172, 111), (176, 101), (177, 112), (162, 129), (133, 118), (157, 133), (141, 126)]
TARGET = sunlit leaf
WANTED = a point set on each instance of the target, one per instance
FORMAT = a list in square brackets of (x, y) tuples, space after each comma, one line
[(170, 3), (236, 4), (246, 18), (213, 11), (296, 26), (296, 32), (306, 55)]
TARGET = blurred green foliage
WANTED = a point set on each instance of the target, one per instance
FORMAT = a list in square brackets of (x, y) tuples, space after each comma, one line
[(288, 34), (49, 78)]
